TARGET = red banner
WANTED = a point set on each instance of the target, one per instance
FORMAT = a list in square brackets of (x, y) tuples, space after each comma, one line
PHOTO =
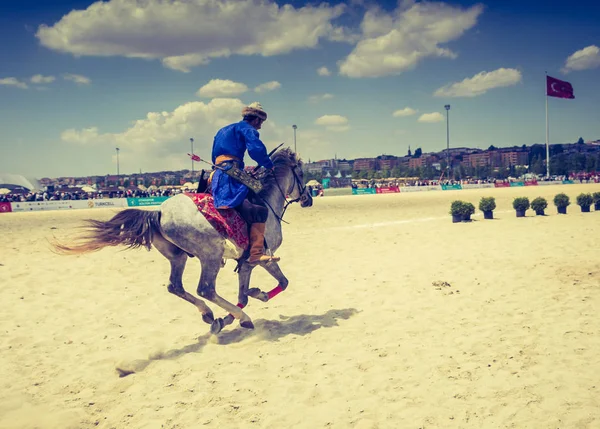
[(501, 185), (531, 183), (387, 190), (5, 208)]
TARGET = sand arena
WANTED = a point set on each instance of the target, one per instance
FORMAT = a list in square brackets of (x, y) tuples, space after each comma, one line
[(394, 318)]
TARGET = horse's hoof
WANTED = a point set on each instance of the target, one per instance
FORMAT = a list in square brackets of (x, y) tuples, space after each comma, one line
[(228, 320), (253, 292), (247, 324), (256, 293), (216, 326), (208, 318)]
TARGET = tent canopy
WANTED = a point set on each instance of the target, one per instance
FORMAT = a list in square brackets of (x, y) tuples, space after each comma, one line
[(10, 181)]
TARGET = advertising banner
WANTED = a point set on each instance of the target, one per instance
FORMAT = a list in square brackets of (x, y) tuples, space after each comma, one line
[(144, 202), (419, 188), (387, 190), (567, 182), (66, 205), (501, 185), (5, 208), (531, 183), (363, 191), (107, 203), (516, 184), (477, 185), (455, 187), (549, 182)]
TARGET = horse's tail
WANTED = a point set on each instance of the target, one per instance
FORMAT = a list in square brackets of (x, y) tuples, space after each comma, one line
[(133, 228)]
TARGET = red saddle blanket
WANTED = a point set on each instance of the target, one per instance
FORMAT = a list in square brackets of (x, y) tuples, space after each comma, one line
[(227, 222)]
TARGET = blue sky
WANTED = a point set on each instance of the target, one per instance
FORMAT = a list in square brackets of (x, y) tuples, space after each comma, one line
[(358, 78)]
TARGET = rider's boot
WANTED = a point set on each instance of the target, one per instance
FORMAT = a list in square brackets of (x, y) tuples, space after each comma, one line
[(257, 240)]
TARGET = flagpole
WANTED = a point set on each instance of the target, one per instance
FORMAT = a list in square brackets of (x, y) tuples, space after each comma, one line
[(547, 132)]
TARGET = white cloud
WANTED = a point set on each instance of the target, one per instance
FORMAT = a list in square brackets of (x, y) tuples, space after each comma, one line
[(13, 81), (221, 88), (393, 43), (407, 111), (160, 141), (320, 97), (336, 123), (331, 120), (268, 86), (184, 34), (431, 117), (323, 71), (77, 78), (38, 78), (480, 83), (586, 58)]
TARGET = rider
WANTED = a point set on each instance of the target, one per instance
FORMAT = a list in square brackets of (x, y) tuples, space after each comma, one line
[(229, 146)]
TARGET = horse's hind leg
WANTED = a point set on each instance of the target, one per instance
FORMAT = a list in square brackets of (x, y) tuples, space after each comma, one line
[(211, 265), (273, 269), (178, 258)]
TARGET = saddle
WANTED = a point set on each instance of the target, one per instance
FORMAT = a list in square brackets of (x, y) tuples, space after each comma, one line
[(228, 222)]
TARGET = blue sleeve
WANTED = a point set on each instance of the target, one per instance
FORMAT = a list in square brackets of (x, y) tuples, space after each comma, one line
[(256, 148)]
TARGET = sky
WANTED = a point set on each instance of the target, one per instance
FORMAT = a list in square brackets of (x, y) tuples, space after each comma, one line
[(358, 78)]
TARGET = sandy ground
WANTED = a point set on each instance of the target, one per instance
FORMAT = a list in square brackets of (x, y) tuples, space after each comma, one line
[(394, 318)]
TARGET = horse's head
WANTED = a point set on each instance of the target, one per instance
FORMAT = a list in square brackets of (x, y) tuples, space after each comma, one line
[(289, 170)]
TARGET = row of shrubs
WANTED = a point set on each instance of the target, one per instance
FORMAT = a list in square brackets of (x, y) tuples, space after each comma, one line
[(462, 210)]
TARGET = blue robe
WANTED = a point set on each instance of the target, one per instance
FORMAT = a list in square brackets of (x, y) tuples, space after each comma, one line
[(234, 140)]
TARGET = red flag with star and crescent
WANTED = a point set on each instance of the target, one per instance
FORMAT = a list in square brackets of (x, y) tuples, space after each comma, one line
[(558, 88)]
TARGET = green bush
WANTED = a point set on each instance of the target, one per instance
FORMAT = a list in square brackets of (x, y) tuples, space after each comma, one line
[(521, 203), (467, 209), (561, 200), (596, 197), (584, 200), (487, 204), (456, 208), (539, 203)]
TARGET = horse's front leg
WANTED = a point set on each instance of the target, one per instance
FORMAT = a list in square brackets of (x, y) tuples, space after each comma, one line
[(244, 274), (207, 290), (273, 269)]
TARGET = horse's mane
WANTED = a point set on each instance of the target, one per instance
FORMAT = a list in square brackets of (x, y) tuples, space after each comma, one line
[(282, 158)]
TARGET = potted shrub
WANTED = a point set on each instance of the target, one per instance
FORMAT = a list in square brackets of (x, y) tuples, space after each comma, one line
[(596, 198), (467, 210), (487, 206), (561, 201), (456, 211), (584, 201), (521, 204), (539, 204)]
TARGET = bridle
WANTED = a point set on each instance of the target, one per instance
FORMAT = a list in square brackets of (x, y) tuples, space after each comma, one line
[(301, 189)]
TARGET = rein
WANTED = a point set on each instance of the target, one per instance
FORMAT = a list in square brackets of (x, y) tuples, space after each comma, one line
[(301, 188)]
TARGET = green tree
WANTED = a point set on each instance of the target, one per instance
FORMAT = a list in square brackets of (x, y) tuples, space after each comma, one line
[(590, 163), (580, 141), (418, 153), (492, 147), (537, 166)]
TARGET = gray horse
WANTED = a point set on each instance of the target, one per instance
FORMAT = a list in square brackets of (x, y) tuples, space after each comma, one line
[(178, 230)]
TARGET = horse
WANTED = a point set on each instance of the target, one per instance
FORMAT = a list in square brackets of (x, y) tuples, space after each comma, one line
[(178, 230)]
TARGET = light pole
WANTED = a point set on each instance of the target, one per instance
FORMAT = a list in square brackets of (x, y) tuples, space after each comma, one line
[(447, 107), (192, 144), (294, 127), (118, 173)]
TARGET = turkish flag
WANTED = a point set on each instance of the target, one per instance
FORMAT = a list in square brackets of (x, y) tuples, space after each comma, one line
[(558, 88)]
